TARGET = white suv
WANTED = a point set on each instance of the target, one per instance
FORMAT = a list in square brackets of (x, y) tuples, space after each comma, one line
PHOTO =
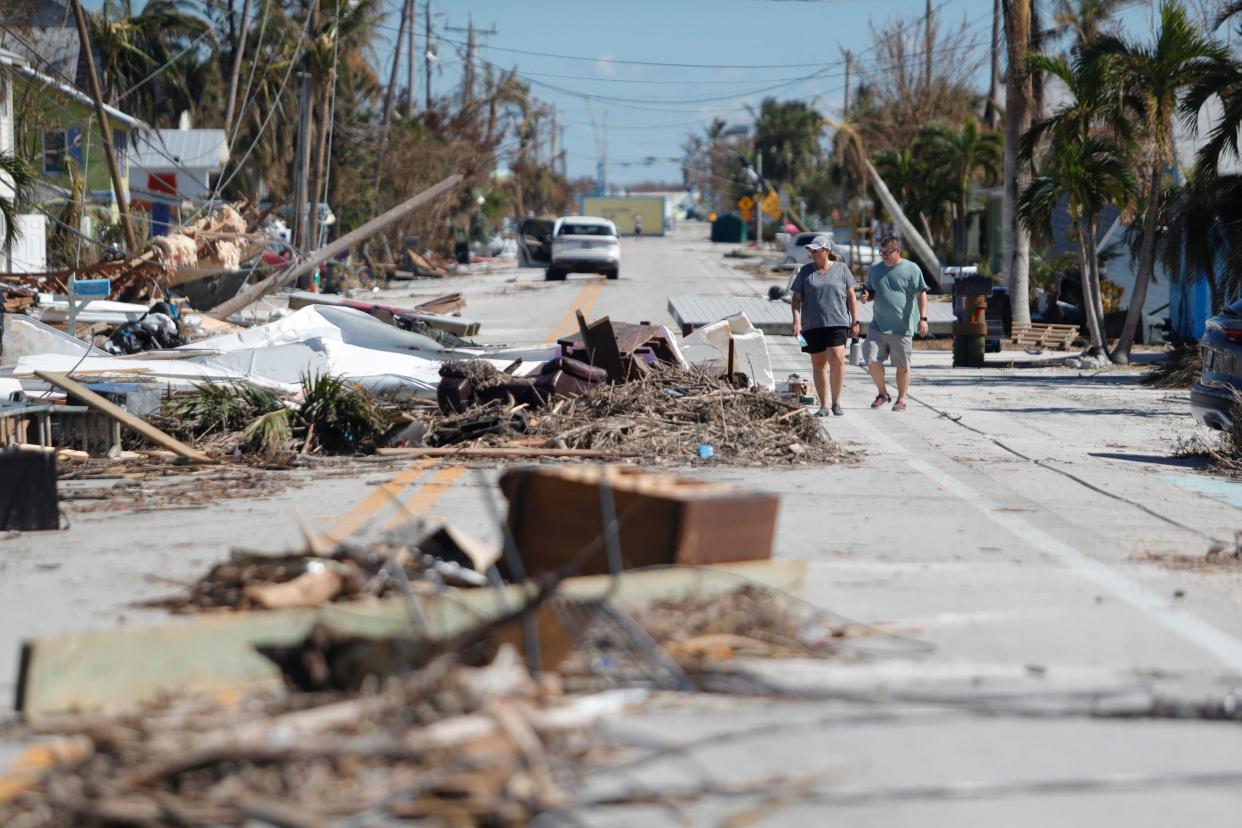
[(584, 244)]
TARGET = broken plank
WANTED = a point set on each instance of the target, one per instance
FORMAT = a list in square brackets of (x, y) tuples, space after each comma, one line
[(125, 418), (499, 451), (123, 668)]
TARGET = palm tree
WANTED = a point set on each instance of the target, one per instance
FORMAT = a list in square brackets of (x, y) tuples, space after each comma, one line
[(1019, 111), (132, 45), (1148, 80), (15, 173), (1088, 174), (787, 133), (964, 156), (1085, 19), (1086, 117)]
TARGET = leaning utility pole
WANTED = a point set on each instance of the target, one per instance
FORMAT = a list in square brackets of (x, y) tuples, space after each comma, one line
[(235, 75), (296, 270), (105, 127)]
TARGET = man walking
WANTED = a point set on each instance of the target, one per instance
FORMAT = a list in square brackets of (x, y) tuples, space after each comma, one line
[(898, 288)]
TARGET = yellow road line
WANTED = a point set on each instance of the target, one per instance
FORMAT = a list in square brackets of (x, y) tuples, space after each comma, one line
[(426, 496), (389, 492), (569, 322), (429, 493)]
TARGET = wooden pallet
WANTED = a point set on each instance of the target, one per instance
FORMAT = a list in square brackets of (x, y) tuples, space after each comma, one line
[(1041, 335)]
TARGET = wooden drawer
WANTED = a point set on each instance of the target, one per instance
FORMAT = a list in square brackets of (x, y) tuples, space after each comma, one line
[(554, 514)]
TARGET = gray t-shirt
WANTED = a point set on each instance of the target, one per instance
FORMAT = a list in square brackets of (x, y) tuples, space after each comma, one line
[(823, 295)]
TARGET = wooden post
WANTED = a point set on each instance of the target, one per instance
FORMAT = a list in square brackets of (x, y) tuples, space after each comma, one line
[(105, 127), (372, 227)]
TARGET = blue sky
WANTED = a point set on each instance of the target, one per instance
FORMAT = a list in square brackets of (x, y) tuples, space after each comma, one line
[(597, 59), (791, 39)]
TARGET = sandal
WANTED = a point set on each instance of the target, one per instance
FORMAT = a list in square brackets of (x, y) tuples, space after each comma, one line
[(900, 405), (880, 400)]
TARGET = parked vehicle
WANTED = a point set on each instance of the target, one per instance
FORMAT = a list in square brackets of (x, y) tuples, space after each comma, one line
[(1212, 398), (584, 244), (795, 250), (534, 238)]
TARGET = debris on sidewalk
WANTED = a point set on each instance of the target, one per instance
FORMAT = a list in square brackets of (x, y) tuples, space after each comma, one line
[(256, 580), (661, 417)]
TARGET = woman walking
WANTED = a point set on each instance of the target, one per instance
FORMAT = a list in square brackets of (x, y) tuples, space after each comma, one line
[(825, 315)]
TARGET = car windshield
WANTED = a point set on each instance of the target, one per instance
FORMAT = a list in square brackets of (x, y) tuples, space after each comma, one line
[(1233, 310), (585, 230)]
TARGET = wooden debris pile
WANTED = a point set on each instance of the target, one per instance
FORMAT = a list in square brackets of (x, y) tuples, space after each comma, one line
[(450, 745), (662, 417), (255, 580)]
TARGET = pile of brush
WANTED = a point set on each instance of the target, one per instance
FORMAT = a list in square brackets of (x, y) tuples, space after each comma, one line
[(330, 415)]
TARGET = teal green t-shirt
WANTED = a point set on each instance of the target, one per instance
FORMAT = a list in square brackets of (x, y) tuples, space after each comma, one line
[(895, 301)]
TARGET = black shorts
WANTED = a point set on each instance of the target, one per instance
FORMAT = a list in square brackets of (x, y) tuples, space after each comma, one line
[(819, 340)]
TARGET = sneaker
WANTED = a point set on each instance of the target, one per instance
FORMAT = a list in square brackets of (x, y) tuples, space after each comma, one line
[(900, 405), (880, 400), (823, 412), (838, 410)]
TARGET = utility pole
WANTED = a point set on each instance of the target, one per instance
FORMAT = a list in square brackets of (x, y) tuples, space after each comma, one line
[(467, 87), (236, 73), (991, 110), (927, 46), (411, 61), (427, 56), (105, 127), (759, 198), (552, 151), (845, 114), (300, 167), (406, 19)]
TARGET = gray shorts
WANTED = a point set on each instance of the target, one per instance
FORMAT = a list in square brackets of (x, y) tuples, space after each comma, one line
[(881, 346)]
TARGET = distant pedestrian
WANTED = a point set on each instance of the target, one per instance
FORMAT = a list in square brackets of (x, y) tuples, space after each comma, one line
[(638, 225), (825, 315), (897, 287)]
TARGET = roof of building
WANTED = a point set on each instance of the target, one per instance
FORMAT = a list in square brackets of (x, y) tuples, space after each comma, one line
[(53, 49), (174, 149), (81, 97)]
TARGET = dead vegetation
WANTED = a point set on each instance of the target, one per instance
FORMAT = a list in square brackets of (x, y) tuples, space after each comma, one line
[(331, 416), (1180, 369), (661, 418)]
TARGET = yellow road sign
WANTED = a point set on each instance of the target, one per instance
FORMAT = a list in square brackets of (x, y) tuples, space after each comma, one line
[(772, 205)]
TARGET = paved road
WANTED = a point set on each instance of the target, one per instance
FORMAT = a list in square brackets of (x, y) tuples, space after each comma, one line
[(1007, 518)]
